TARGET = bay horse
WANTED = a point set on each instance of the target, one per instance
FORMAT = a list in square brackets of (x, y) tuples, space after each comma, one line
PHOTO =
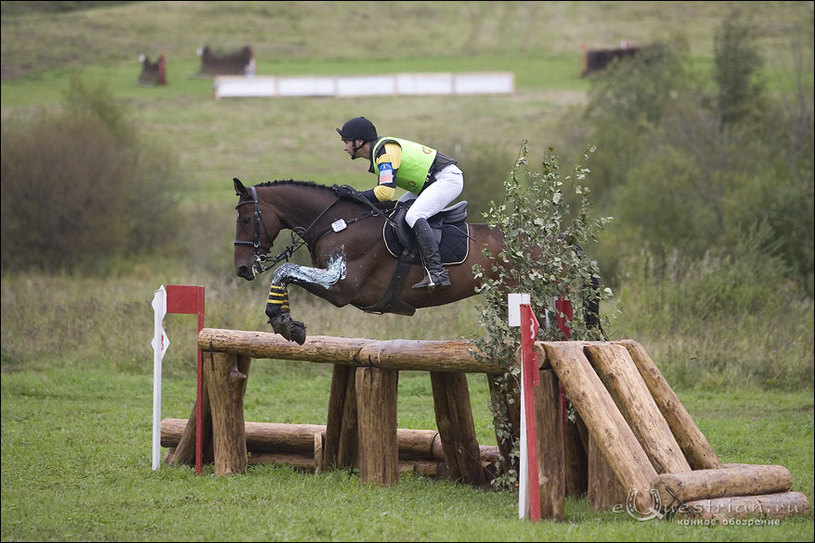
[(351, 263)]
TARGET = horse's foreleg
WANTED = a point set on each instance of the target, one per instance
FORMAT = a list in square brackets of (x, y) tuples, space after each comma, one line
[(279, 313), (277, 306)]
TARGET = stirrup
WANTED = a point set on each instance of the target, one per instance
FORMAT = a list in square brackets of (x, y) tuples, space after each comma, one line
[(429, 283)]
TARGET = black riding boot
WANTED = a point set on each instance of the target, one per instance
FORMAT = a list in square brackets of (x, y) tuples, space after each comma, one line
[(437, 275)]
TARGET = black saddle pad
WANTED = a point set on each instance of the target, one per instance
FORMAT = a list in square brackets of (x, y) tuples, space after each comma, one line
[(453, 247)]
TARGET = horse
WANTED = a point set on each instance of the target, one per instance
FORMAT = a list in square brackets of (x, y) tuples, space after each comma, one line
[(351, 263)]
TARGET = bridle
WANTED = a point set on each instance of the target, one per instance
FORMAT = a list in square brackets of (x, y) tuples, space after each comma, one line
[(259, 266), (261, 258)]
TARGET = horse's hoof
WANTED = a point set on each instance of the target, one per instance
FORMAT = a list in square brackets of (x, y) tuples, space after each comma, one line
[(281, 324), (298, 332), (291, 330)]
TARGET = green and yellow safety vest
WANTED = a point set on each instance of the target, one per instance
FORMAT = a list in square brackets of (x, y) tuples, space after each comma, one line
[(415, 165)]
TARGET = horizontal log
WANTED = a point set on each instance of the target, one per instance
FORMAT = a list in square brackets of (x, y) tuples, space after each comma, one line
[(270, 437), (766, 506), (401, 354), (431, 468), (744, 480)]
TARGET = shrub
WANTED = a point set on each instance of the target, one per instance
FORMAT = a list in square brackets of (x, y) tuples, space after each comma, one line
[(80, 188), (544, 241)]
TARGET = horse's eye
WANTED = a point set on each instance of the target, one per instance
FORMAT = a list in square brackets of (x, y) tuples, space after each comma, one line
[(244, 221)]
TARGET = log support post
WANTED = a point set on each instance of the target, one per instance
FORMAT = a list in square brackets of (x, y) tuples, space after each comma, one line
[(454, 419), (225, 377), (505, 398), (551, 469), (376, 394), (691, 440), (341, 435), (604, 490), (575, 445)]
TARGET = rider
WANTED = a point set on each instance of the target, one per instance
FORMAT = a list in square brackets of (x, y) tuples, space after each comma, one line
[(430, 178)]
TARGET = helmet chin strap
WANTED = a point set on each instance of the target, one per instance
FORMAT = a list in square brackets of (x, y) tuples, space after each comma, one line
[(357, 148)]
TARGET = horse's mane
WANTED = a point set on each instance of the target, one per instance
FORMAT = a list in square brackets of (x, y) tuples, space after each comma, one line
[(387, 206), (294, 182)]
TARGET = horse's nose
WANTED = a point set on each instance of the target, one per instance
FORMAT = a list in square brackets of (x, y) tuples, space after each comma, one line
[(245, 272)]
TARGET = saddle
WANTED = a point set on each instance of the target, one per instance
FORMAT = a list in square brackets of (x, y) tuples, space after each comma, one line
[(449, 228), (452, 233)]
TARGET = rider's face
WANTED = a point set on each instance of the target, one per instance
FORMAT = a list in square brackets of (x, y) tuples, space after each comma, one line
[(352, 147)]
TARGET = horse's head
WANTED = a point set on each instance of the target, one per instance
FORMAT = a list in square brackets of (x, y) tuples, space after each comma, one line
[(255, 232)]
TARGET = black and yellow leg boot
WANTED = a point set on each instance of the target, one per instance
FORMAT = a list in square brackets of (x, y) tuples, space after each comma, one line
[(436, 274)]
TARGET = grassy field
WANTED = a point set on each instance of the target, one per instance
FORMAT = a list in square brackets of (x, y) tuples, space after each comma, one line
[(76, 355), (76, 467)]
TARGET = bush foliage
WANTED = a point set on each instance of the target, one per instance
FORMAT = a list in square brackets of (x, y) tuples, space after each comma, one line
[(545, 254), (687, 164), (81, 188)]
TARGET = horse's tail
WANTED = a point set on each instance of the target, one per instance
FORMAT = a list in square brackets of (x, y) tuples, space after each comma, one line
[(591, 302), (591, 306)]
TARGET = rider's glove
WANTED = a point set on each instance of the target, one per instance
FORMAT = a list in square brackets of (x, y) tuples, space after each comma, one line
[(347, 191)]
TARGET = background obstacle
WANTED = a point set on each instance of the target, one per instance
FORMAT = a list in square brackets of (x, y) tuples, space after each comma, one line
[(238, 62), (153, 73), (596, 60), (633, 443)]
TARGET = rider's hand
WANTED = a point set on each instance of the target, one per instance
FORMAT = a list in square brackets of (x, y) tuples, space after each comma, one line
[(347, 191)]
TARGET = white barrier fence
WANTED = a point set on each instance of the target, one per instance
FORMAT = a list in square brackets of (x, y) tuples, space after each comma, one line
[(230, 86)]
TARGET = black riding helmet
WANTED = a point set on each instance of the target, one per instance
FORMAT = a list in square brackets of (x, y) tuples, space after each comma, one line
[(358, 128)]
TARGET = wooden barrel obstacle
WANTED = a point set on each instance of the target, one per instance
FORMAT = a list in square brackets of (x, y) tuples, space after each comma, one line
[(633, 443)]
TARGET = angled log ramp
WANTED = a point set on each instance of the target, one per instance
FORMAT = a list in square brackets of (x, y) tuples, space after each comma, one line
[(607, 426), (641, 434), (621, 378), (692, 441)]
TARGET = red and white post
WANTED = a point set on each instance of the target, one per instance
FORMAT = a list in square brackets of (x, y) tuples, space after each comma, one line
[(521, 315), (175, 299)]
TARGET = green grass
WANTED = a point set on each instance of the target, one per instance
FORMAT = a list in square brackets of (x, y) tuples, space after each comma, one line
[(76, 466), (76, 423)]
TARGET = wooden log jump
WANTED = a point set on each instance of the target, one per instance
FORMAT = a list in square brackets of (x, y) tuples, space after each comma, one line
[(361, 428), (633, 430)]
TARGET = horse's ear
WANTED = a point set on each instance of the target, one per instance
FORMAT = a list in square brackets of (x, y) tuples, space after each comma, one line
[(240, 190)]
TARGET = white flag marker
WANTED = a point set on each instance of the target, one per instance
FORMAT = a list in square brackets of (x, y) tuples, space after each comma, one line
[(160, 344)]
